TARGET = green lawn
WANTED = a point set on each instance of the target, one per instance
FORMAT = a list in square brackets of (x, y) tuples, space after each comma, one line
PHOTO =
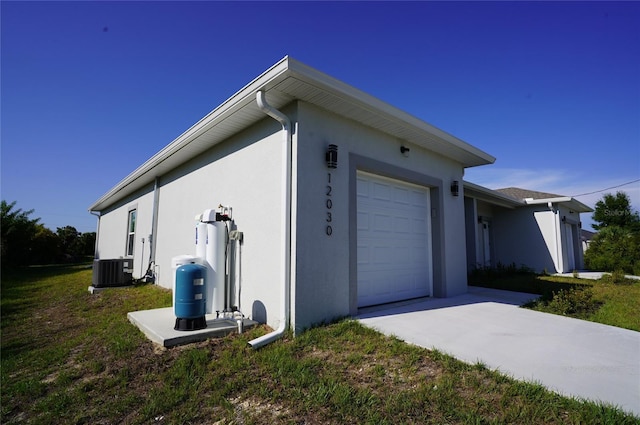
[(71, 357), (602, 301)]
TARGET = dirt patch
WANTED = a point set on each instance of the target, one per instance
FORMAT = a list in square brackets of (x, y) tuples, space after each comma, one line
[(376, 372), (253, 407)]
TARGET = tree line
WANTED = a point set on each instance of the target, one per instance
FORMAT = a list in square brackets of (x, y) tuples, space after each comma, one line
[(616, 246), (26, 241)]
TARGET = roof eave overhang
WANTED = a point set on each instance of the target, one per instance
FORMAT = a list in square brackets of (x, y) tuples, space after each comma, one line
[(148, 171), (287, 81), (571, 203), (383, 116), (490, 196)]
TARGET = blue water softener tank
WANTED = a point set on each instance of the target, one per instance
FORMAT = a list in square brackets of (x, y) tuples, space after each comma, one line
[(190, 299)]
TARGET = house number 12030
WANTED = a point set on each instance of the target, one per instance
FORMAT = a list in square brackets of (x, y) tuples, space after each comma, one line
[(329, 205)]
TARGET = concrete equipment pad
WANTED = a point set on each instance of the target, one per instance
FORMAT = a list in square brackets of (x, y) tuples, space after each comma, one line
[(572, 357), (157, 325), (94, 290)]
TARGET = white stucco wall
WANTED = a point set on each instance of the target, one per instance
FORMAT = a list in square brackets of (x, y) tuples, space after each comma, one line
[(526, 236), (112, 240), (324, 280), (471, 224), (571, 241), (245, 172), (532, 236), (548, 223)]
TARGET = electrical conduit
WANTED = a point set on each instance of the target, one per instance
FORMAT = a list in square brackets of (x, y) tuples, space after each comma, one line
[(286, 222)]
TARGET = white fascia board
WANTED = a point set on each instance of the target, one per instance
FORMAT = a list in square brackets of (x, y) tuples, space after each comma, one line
[(378, 107), (570, 202)]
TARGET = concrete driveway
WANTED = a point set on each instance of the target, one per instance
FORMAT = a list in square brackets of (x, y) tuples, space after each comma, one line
[(572, 357)]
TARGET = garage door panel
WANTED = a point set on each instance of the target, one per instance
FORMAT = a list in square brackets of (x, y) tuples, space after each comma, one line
[(382, 192), (363, 221), (402, 225), (419, 226), (382, 223), (363, 187), (404, 256), (364, 256), (402, 196), (383, 255), (419, 200), (393, 240)]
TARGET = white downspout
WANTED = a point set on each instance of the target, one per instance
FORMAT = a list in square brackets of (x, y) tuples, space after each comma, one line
[(96, 253), (286, 223), (556, 217), (154, 227)]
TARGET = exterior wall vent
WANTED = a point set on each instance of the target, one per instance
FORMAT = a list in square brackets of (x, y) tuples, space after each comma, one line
[(117, 272)]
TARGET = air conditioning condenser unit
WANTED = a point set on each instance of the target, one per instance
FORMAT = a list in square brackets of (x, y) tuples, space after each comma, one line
[(116, 272)]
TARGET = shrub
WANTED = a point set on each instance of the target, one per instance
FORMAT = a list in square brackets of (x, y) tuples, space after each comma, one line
[(481, 272), (576, 302), (617, 277), (614, 248)]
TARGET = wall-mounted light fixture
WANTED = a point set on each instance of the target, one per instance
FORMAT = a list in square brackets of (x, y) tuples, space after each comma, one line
[(455, 188), (404, 150), (332, 156), (564, 218)]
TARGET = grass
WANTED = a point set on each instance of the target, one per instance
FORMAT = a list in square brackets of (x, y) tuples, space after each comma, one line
[(72, 357), (607, 301)]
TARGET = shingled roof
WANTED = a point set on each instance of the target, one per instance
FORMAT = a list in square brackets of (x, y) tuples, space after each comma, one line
[(520, 194), (532, 197)]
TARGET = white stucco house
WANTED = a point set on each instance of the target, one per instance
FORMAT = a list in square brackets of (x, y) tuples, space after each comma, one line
[(343, 201), (523, 227), (386, 224)]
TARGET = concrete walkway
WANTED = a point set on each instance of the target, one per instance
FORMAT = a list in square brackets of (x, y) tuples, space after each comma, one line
[(572, 357), (593, 275)]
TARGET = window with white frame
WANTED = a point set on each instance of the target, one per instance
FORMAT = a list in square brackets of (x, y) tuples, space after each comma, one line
[(131, 232)]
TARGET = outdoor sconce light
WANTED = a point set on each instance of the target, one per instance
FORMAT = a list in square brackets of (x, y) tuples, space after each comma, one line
[(404, 150), (332, 156), (455, 188), (564, 218)]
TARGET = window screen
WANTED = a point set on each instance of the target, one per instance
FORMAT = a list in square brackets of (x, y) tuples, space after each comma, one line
[(131, 232)]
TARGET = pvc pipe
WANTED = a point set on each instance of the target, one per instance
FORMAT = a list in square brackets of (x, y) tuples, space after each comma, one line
[(154, 224), (286, 222), (96, 253)]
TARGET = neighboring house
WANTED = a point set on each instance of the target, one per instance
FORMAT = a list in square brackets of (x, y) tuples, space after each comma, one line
[(586, 237), (534, 229), (322, 235)]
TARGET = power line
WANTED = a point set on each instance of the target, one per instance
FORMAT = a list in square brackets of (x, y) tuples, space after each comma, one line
[(609, 188)]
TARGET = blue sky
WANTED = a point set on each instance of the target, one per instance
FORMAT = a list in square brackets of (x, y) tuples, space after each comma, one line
[(90, 90)]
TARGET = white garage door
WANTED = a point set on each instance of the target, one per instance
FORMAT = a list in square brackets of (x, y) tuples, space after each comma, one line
[(394, 240)]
